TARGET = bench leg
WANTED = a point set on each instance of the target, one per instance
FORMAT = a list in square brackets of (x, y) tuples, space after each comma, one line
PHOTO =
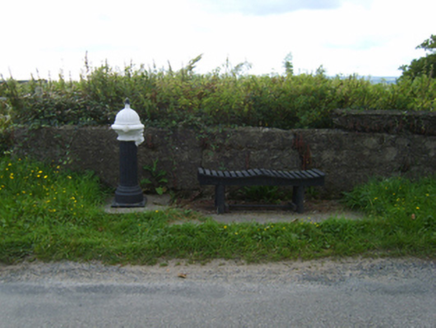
[(220, 199), (298, 198)]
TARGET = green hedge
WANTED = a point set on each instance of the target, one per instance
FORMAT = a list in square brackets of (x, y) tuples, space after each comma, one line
[(168, 98)]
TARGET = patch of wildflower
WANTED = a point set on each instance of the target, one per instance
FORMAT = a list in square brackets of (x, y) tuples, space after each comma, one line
[(40, 191), (396, 197)]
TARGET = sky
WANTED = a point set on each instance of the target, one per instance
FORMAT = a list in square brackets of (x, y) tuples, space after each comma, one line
[(46, 38)]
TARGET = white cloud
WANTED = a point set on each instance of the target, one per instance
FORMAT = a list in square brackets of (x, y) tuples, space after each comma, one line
[(345, 36), (271, 7)]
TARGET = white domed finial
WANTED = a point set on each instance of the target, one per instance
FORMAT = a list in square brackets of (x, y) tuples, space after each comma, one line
[(128, 125)]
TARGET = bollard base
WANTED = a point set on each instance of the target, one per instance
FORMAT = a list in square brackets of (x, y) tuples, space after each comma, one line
[(141, 204), (131, 196)]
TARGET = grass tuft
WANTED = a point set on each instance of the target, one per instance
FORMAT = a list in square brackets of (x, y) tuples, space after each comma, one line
[(48, 213)]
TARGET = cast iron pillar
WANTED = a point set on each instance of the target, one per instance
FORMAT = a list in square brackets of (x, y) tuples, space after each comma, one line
[(130, 134)]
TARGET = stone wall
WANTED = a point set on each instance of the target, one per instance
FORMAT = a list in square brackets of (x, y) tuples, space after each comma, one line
[(347, 157), (386, 121)]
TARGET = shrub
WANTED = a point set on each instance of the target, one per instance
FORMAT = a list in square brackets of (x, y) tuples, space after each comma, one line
[(169, 98)]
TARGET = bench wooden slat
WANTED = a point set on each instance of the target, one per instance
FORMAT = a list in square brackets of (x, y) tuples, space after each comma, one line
[(305, 174), (322, 174), (287, 174), (278, 174), (264, 172), (298, 174), (258, 172), (226, 174), (311, 174), (282, 174), (251, 173), (315, 174), (269, 173), (293, 175)]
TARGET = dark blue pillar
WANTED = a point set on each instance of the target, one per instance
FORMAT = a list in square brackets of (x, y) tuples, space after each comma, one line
[(129, 193)]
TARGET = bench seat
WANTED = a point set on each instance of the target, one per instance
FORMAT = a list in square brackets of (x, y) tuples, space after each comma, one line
[(260, 177)]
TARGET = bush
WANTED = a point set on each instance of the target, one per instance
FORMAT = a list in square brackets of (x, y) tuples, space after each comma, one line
[(168, 98)]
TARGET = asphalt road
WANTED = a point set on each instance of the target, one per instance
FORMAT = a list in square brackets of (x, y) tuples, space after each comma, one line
[(350, 293)]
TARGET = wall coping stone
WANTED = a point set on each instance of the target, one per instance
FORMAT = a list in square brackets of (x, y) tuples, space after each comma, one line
[(386, 121)]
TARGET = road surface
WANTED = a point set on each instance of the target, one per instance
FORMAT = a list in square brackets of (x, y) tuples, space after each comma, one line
[(346, 293)]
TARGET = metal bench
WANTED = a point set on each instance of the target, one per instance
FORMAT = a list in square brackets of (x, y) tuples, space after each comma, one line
[(260, 177)]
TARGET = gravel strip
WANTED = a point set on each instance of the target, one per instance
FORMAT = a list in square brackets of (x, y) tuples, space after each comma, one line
[(325, 272)]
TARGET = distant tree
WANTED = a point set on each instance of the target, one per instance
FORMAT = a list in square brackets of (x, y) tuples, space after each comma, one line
[(287, 63), (424, 65)]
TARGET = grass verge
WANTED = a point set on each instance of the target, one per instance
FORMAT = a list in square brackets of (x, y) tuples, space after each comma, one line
[(48, 213)]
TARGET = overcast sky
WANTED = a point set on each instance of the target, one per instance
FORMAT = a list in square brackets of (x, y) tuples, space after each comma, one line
[(367, 37)]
